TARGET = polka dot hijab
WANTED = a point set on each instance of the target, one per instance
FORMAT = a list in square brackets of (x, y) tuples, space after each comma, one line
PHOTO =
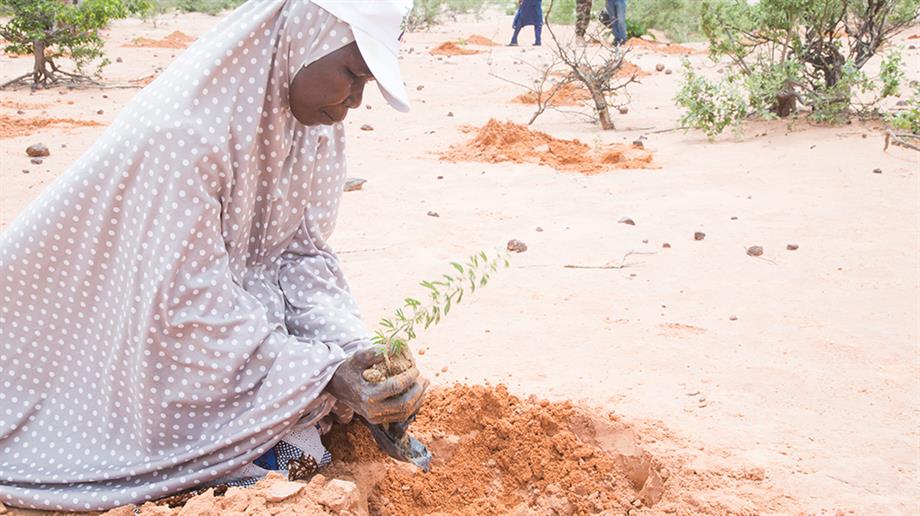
[(170, 307)]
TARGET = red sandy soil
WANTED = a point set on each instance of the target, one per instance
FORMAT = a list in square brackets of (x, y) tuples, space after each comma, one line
[(177, 39), (914, 36), (482, 41), (628, 69), (495, 454), (661, 48), (13, 126), (498, 142), (449, 48), (569, 94), (12, 104)]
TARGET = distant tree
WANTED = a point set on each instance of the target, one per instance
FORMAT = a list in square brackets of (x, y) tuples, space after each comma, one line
[(50, 30)]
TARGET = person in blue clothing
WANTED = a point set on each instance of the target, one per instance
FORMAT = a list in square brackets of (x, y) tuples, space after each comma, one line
[(529, 12), (616, 11)]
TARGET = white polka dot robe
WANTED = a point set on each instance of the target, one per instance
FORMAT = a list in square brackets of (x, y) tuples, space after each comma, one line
[(169, 307)]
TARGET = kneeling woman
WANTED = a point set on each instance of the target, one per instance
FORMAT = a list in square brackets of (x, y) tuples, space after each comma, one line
[(171, 314)]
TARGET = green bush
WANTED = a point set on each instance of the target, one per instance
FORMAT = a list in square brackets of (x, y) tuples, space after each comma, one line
[(678, 19), (52, 29), (907, 119), (710, 106)]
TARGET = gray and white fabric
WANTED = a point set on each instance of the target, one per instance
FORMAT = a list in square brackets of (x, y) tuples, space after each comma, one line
[(170, 307)]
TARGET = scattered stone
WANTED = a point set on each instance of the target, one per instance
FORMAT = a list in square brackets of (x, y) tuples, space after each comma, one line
[(444, 369), (420, 87), (792, 247), (433, 214), (659, 67), (421, 351), (877, 171), (645, 241), (638, 144), (539, 229), (38, 150), (368, 106), (734, 218), (699, 235), (628, 221), (20, 112), (623, 110), (280, 491), (755, 250), (901, 103), (24, 171), (36, 161), (440, 177), (119, 60), (732, 318), (668, 71), (665, 245), (354, 183), (367, 127), (100, 112), (450, 114), (341, 497), (516, 246)]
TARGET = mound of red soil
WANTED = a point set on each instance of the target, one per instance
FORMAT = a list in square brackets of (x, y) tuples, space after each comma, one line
[(177, 39), (449, 48), (482, 41), (13, 126), (628, 69), (498, 142), (660, 48), (569, 94)]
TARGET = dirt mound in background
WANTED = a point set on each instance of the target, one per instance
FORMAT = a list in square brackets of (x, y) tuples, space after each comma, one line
[(628, 69), (660, 48), (482, 41), (498, 142), (177, 39), (13, 126), (569, 94), (449, 48)]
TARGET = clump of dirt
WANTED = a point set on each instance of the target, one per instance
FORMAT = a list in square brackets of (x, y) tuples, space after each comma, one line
[(482, 41), (449, 48), (177, 39), (498, 142), (628, 69), (395, 365), (495, 453), (660, 48), (568, 94), (14, 126)]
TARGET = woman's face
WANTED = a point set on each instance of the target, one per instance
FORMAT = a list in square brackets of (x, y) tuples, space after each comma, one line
[(323, 92)]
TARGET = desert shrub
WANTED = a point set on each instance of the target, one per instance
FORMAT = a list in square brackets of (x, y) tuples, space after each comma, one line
[(427, 13), (907, 119), (51, 29), (678, 19), (635, 28), (710, 106)]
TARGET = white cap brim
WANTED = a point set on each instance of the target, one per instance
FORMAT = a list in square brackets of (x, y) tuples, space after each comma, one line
[(384, 65)]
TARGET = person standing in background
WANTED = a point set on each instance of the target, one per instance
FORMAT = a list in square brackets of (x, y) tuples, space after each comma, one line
[(616, 10), (529, 12), (582, 18)]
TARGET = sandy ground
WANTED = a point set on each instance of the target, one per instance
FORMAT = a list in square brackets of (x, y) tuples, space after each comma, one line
[(803, 363)]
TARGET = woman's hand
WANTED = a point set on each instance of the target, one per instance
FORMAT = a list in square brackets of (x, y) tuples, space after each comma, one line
[(392, 401)]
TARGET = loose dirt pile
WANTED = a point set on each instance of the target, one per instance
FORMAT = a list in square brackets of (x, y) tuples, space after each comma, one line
[(449, 48), (628, 69), (497, 454), (569, 94), (13, 126), (660, 48), (482, 41), (177, 39), (498, 142)]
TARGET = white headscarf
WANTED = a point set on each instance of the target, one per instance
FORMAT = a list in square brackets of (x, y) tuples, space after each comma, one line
[(169, 307)]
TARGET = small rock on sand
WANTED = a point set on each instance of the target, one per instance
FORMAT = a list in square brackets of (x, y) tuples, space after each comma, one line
[(659, 67), (420, 87), (539, 229), (450, 113), (38, 150), (36, 161), (280, 491), (668, 71), (119, 60), (755, 250), (877, 171), (638, 144), (733, 318), (355, 183), (628, 221), (699, 235), (516, 246), (367, 127), (623, 110), (665, 245), (433, 214), (340, 496), (792, 247)]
